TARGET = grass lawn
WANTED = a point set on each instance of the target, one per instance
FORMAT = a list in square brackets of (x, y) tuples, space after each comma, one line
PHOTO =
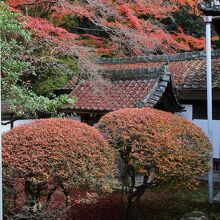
[(165, 204)]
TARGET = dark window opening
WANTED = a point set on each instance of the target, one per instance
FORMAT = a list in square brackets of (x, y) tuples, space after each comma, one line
[(90, 119), (200, 111)]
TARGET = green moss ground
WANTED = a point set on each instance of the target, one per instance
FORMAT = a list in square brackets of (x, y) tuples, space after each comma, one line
[(162, 203)]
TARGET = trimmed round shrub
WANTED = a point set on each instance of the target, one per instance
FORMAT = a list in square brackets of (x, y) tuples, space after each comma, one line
[(161, 146), (58, 152)]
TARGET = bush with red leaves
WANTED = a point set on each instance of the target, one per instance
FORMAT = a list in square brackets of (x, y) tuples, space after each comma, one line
[(163, 145), (57, 153), (158, 148)]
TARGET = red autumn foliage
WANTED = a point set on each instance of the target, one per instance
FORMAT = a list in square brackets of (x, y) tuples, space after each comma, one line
[(124, 22), (43, 29), (190, 41), (121, 21), (123, 8), (59, 149), (164, 147)]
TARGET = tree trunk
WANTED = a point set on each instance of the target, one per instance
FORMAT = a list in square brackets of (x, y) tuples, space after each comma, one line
[(137, 206), (133, 206), (133, 201), (129, 209)]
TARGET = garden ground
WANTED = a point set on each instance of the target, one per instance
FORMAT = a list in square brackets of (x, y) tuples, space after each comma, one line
[(165, 204), (160, 203)]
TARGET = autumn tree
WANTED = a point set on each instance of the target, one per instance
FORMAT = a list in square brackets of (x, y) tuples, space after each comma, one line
[(160, 147), (119, 28), (37, 59), (51, 154)]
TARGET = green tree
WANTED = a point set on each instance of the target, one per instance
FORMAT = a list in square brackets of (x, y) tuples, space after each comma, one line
[(22, 69)]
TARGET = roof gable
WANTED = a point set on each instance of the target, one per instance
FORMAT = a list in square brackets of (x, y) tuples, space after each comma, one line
[(118, 94), (127, 89)]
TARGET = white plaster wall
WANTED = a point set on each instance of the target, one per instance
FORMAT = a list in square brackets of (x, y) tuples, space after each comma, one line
[(216, 134), (203, 124), (77, 118), (187, 112), (5, 128)]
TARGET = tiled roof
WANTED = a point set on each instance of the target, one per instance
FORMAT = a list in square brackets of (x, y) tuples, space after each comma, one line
[(118, 94), (144, 87), (192, 74), (188, 70), (139, 81), (158, 58)]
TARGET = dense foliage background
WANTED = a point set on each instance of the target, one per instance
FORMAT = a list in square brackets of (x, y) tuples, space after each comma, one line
[(113, 27)]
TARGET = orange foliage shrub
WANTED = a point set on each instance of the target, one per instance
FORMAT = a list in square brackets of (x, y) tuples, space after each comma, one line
[(161, 146), (58, 152)]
